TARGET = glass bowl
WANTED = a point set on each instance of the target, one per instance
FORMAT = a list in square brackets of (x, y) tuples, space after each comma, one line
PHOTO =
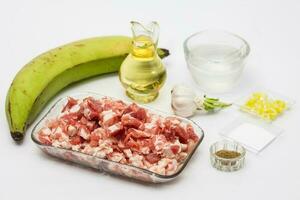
[(105, 165), (227, 164), (216, 59)]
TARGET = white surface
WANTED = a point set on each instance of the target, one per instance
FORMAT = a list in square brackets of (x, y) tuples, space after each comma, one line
[(251, 135), (30, 27)]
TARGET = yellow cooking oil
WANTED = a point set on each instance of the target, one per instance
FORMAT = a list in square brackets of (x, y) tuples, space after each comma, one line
[(142, 73)]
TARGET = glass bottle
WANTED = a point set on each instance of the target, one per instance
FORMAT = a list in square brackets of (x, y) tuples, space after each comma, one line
[(142, 73)]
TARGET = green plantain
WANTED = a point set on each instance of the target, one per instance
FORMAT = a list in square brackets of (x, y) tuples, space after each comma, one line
[(39, 80)]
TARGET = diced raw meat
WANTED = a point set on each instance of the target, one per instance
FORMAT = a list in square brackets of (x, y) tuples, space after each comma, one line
[(53, 124), (157, 169), (101, 154), (175, 148), (44, 139), (173, 120), (171, 167), (59, 135), (152, 128), (115, 129), (191, 132), (95, 137), (62, 144), (75, 140), (140, 114), (147, 164), (163, 162), (94, 143), (132, 144), (121, 144), (90, 150), (94, 105), (71, 130), (118, 107), (116, 156), (71, 118), (91, 108), (168, 131), (101, 132), (136, 160), (75, 109), (184, 147), (182, 134), (127, 134), (90, 114), (109, 118), (131, 108), (159, 142), (84, 133), (143, 142), (130, 122), (71, 102), (181, 156), (76, 147), (127, 153), (170, 150), (132, 132), (145, 150), (91, 125), (152, 158)]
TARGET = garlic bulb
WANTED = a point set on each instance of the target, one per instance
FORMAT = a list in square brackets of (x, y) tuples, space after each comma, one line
[(185, 103)]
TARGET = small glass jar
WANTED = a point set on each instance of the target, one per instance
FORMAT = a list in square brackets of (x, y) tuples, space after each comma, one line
[(227, 164)]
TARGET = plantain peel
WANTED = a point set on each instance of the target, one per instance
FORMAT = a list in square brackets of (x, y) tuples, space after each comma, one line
[(47, 74)]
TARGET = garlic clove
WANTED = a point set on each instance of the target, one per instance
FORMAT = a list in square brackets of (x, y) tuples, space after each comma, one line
[(183, 101), (183, 106), (182, 91)]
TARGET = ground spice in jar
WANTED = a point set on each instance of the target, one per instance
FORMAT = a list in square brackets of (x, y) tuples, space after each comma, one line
[(227, 154)]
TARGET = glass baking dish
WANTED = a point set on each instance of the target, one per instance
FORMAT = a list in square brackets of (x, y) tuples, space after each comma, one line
[(104, 165)]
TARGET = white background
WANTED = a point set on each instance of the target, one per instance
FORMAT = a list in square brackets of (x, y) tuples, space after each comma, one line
[(31, 27)]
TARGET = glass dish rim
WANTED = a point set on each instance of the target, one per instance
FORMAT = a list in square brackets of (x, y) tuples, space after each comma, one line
[(243, 153), (245, 43), (60, 100)]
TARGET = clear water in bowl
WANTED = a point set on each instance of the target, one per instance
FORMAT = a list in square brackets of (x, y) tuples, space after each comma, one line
[(215, 67)]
